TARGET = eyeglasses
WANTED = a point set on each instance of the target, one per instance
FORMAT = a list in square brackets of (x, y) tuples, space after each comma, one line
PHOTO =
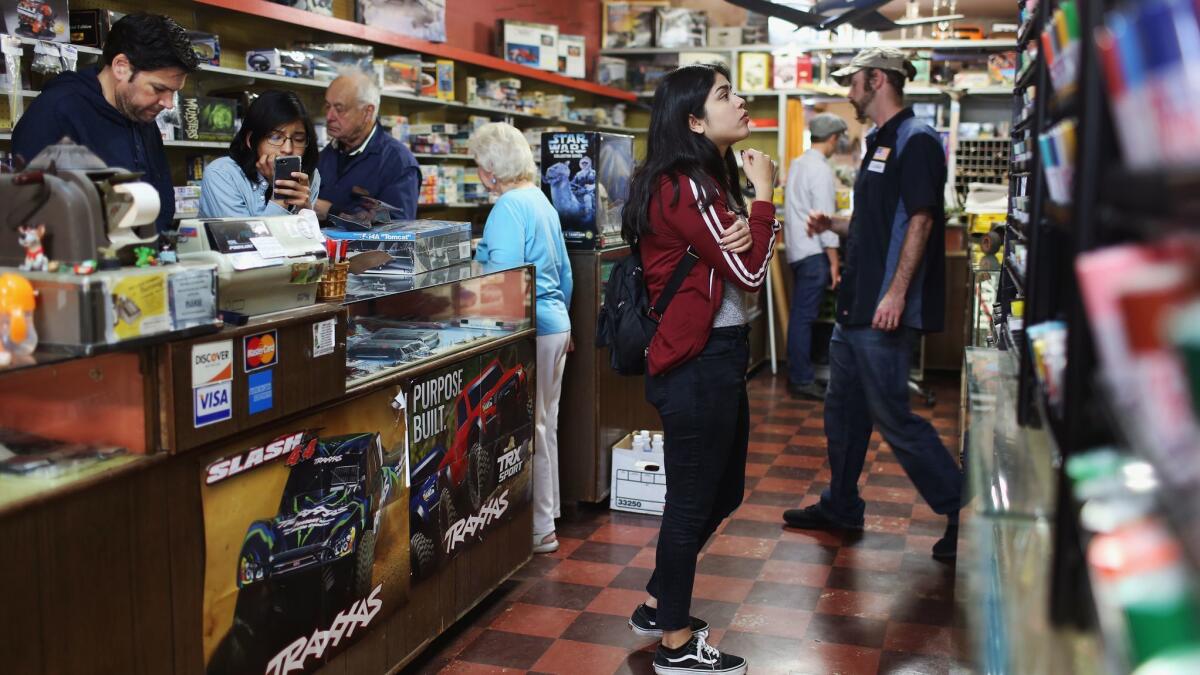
[(278, 138)]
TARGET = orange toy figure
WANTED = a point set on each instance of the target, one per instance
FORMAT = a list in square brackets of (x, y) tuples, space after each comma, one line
[(17, 335)]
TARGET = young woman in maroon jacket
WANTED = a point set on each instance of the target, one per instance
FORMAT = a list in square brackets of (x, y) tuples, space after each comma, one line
[(685, 199)]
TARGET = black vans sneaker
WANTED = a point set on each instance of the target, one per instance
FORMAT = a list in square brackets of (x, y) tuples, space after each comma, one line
[(697, 656), (643, 623)]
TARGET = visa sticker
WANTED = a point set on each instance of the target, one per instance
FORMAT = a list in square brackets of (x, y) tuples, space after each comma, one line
[(212, 404), (877, 167)]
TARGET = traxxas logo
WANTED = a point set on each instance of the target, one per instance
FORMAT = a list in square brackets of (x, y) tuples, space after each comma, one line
[(469, 527), (344, 624)]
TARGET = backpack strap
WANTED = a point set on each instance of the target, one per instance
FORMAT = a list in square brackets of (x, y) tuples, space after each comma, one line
[(685, 266)]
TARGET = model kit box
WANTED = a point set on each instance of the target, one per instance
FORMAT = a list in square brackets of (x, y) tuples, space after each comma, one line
[(328, 59), (725, 36), (89, 27), (444, 68), (629, 24), (421, 19), (572, 60), (586, 176), (612, 71), (754, 71), (676, 27), (639, 479), (41, 19), (792, 70), (286, 62), (207, 47), (207, 119), (529, 44), (400, 73), (414, 246)]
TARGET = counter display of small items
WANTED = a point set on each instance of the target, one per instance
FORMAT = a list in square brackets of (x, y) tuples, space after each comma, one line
[(398, 323)]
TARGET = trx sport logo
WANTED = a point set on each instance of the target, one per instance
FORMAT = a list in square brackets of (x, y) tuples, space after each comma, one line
[(260, 351)]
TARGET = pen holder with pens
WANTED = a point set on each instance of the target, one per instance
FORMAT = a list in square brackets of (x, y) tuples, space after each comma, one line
[(332, 285)]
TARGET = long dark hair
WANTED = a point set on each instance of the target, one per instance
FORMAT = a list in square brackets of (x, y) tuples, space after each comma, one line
[(673, 148), (272, 109)]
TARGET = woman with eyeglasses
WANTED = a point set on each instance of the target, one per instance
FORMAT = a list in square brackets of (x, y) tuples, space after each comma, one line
[(244, 182)]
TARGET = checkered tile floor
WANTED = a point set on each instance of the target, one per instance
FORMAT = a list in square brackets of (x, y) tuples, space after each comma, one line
[(787, 600)]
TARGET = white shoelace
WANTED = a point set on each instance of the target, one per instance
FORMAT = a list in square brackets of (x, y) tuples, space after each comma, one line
[(705, 652)]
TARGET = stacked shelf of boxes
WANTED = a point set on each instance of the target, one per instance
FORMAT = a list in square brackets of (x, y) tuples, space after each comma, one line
[(768, 75), (539, 99)]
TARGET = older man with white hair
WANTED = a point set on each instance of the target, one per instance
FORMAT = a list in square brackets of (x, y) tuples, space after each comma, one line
[(361, 154)]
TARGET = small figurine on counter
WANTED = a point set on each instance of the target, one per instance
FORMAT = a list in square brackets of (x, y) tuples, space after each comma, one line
[(31, 237), (17, 334), (85, 268), (145, 257)]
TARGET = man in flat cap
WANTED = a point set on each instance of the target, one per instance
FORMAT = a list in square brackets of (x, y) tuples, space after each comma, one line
[(892, 291), (811, 186)]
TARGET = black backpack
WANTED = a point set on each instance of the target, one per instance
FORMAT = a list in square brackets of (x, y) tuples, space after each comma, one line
[(627, 322)]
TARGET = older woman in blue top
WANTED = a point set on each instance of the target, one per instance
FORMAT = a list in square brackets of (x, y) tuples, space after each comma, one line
[(244, 182), (523, 228)]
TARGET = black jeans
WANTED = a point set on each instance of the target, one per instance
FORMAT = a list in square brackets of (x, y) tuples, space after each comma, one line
[(706, 429)]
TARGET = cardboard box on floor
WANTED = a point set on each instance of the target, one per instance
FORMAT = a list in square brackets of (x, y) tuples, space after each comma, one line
[(639, 479)]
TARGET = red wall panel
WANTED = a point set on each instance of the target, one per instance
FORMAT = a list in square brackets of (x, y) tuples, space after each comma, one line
[(471, 24)]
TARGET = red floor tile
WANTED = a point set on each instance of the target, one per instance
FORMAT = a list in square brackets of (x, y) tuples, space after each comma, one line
[(855, 603), (534, 620), (569, 658), (645, 558), (617, 601), (625, 534), (789, 572), (723, 589), (868, 559), (565, 548), (584, 573), (777, 621), (795, 487)]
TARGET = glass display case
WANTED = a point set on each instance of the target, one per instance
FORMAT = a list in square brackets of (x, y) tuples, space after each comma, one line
[(985, 281), (400, 322)]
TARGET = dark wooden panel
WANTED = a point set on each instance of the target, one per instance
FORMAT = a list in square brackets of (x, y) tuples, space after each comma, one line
[(86, 584), (944, 350), (20, 579), (186, 518), (151, 570)]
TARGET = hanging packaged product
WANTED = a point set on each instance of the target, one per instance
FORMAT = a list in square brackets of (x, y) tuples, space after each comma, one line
[(1058, 149), (1170, 39), (1120, 53)]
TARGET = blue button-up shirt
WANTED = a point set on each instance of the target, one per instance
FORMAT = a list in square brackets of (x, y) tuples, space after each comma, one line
[(384, 167), (225, 192)]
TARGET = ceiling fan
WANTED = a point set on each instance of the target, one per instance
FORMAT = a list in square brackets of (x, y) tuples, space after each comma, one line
[(829, 14)]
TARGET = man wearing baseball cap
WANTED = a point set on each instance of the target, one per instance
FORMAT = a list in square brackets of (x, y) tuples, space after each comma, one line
[(892, 290), (811, 186)]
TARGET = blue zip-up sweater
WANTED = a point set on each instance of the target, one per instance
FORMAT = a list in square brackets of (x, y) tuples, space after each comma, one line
[(73, 105), (385, 168)]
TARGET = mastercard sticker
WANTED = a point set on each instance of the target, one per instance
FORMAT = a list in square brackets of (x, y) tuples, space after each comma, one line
[(260, 350)]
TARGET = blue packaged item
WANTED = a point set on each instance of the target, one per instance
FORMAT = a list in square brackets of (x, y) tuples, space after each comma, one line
[(414, 246)]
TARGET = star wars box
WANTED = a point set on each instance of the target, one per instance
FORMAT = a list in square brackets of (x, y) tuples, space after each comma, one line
[(585, 175), (529, 44), (415, 246)]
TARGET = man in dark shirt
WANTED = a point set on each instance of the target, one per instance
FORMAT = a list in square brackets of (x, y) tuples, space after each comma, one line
[(147, 58), (362, 154), (892, 290)]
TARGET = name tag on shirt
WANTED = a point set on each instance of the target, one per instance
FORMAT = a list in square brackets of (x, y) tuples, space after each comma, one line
[(876, 166)]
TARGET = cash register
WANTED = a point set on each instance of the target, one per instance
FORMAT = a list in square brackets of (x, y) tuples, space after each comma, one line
[(70, 221), (264, 264)]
